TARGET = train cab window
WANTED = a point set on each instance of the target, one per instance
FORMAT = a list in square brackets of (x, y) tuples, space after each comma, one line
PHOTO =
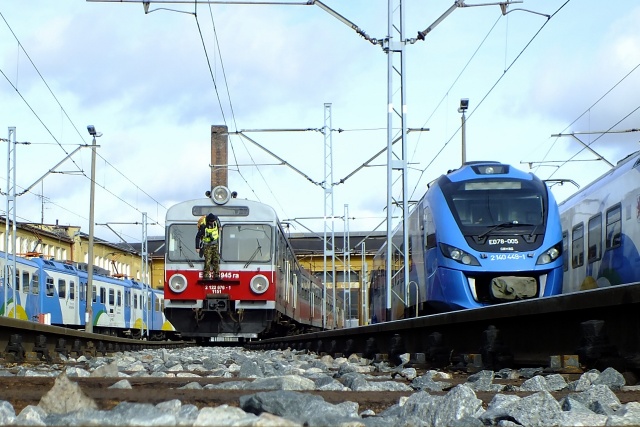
[(50, 287), (577, 246), (594, 239), (72, 290), (112, 297), (565, 250), (614, 227), (246, 242), (62, 288)]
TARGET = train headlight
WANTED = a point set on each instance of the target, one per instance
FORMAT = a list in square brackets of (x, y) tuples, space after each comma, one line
[(259, 284), (458, 255), (550, 254), (178, 283), (220, 195)]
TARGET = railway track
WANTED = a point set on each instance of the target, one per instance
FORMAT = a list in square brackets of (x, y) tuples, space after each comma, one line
[(22, 340), (568, 333)]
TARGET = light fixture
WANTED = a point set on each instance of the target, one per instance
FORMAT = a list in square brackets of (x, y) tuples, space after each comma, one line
[(92, 131), (464, 105)]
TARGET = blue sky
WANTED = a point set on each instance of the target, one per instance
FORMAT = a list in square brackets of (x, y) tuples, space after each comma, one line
[(144, 81)]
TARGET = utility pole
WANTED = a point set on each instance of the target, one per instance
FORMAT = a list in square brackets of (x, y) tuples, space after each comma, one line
[(89, 312), (10, 222), (464, 106)]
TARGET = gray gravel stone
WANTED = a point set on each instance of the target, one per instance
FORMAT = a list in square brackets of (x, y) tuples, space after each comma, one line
[(289, 374)]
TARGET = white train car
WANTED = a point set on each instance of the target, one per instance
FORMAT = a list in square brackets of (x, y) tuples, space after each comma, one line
[(601, 230)]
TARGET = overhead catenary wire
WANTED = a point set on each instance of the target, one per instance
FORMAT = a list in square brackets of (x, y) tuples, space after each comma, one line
[(47, 128), (486, 95), (604, 95)]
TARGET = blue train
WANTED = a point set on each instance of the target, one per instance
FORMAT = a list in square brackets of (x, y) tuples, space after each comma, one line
[(53, 292), (601, 230), (483, 234)]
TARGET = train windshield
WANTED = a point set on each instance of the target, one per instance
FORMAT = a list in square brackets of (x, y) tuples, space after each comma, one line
[(246, 242), (239, 242), (487, 204)]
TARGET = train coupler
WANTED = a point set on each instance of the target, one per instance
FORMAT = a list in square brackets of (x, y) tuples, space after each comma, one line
[(216, 302)]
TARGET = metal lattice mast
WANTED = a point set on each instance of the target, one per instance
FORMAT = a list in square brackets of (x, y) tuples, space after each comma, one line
[(10, 221), (394, 46), (364, 286), (329, 250), (347, 262)]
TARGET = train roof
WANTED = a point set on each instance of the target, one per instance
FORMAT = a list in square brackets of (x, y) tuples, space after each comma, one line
[(184, 211), (620, 168), (485, 170)]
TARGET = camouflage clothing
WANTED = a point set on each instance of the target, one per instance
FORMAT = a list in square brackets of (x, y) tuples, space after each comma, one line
[(211, 261), (207, 245)]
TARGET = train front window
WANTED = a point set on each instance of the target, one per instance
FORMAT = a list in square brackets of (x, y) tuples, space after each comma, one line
[(238, 243), (482, 204), (181, 243), (246, 242)]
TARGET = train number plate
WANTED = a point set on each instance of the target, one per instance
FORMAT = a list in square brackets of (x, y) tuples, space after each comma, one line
[(499, 241), (506, 257)]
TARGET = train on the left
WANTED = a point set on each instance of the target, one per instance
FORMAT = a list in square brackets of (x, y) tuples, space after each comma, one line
[(55, 292), (262, 289)]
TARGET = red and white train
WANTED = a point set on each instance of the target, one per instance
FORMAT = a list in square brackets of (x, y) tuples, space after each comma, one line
[(262, 291)]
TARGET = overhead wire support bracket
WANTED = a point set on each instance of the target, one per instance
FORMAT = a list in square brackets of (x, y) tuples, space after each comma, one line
[(348, 23), (284, 162), (461, 3), (587, 146), (52, 170)]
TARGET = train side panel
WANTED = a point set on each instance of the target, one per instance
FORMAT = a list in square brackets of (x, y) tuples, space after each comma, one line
[(601, 232)]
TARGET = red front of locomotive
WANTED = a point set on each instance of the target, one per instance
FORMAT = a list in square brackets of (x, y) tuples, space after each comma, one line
[(242, 286)]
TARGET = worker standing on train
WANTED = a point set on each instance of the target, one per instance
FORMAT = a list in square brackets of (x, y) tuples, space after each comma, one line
[(207, 245)]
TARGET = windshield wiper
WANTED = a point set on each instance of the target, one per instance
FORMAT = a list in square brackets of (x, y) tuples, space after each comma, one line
[(183, 255), (501, 225), (258, 250)]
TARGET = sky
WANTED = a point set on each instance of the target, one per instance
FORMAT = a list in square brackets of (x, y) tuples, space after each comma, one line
[(154, 83)]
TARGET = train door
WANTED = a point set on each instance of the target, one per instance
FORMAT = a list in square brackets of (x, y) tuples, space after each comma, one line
[(72, 299), (119, 308), (287, 289), (577, 260), (110, 305), (127, 308), (66, 304)]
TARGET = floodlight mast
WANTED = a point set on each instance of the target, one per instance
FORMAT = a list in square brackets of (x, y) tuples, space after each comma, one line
[(89, 310)]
